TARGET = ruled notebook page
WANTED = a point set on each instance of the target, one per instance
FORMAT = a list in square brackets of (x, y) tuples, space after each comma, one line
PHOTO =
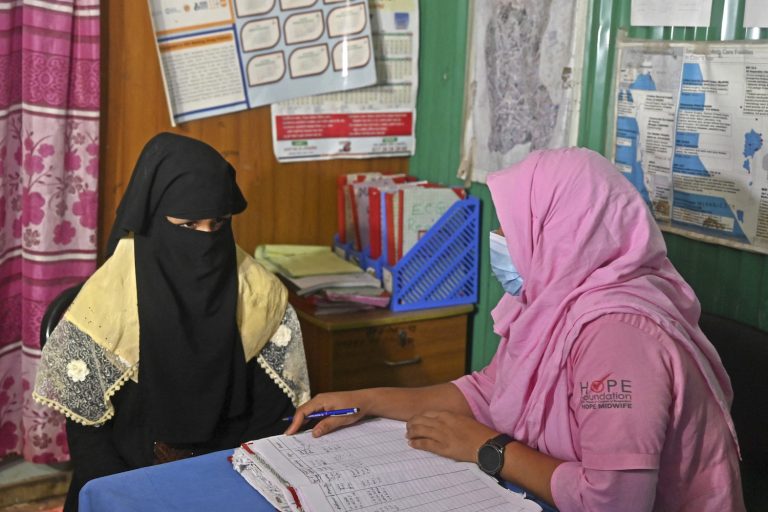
[(370, 467)]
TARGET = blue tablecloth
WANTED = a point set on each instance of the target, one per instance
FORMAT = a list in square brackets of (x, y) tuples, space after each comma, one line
[(205, 483)]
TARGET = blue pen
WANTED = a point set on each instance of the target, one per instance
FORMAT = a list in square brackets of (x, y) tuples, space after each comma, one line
[(325, 414)]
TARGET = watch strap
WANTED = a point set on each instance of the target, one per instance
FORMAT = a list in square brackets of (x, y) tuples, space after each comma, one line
[(500, 441)]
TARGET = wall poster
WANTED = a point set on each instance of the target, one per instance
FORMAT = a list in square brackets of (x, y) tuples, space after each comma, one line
[(222, 56), (370, 122), (690, 124)]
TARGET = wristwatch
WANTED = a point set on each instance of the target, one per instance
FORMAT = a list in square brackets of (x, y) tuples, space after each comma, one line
[(490, 456)]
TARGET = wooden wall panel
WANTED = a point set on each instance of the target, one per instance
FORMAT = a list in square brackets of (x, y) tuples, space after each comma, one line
[(287, 203)]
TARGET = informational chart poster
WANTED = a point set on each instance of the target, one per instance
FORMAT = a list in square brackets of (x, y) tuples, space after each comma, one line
[(646, 108), (376, 121), (222, 56), (690, 133)]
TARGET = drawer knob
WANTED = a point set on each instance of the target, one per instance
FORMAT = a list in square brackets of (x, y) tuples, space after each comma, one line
[(404, 362)]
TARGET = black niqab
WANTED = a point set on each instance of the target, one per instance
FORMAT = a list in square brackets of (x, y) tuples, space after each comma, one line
[(192, 370)]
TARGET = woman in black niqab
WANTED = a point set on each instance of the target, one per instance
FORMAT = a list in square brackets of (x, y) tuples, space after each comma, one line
[(192, 369), (195, 393)]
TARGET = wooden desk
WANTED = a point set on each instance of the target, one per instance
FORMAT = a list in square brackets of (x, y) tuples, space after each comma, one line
[(384, 348)]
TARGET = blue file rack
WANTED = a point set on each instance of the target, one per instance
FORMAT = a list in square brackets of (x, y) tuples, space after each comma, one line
[(440, 270)]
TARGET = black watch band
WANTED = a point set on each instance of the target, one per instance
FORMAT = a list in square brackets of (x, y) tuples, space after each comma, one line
[(490, 456)]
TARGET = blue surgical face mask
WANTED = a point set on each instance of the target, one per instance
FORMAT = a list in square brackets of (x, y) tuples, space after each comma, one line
[(502, 266)]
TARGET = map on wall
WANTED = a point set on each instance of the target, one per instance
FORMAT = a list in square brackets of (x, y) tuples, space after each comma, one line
[(690, 126), (522, 74)]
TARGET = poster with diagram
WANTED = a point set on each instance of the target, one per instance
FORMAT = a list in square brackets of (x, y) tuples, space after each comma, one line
[(222, 56), (690, 125), (648, 86)]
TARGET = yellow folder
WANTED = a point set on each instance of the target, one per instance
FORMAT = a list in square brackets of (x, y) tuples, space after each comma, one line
[(303, 260)]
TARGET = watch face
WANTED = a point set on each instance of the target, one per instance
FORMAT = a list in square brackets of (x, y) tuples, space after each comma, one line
[(489, 459)]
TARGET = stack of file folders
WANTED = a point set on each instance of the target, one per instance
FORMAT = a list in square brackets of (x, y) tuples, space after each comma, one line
[(420, 238), (384, 216), (323, 282)]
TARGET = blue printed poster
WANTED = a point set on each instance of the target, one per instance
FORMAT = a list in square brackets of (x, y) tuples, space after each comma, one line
[(222, 56), (646, 104), (701, 166)]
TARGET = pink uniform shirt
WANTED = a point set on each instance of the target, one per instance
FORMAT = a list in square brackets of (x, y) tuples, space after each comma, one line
[(603, 316), (645, 431)]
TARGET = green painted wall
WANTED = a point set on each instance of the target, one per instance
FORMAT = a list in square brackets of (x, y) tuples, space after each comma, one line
[(729, 282), (438, 139), (441, 89)]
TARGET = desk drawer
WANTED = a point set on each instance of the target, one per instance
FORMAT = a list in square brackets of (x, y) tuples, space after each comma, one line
[(409, 354)]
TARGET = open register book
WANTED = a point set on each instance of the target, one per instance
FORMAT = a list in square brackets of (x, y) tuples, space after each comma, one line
[(368, 466)]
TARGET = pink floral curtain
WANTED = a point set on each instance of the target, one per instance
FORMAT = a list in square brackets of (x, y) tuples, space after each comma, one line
[(49, 148)]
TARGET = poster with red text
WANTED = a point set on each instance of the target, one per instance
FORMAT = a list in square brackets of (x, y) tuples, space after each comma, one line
[(368, 122)]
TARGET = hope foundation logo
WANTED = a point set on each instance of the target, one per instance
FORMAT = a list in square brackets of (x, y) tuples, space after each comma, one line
[(606, 393)]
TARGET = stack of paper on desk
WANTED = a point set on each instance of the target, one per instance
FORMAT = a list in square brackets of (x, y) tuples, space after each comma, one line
[(309, 284), (377, 297), (368, 466), (308, 269), (303, 260), (331, 301)]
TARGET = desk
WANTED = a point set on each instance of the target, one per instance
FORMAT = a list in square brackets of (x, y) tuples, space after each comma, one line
[(205, 483), (384, 348), (201, 484)]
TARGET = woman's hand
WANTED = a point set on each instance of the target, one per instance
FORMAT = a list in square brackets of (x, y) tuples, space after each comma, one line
[(450, 435), (395, 403), (328, 402)]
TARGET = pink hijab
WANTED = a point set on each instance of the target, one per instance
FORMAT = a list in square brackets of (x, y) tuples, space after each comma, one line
[(586, 245)]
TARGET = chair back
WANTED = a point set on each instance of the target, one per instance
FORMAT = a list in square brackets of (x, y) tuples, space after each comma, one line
[(744, 352), (55, 311)]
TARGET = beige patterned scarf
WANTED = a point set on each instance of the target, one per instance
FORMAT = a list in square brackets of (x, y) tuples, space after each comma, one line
[(95, 348)]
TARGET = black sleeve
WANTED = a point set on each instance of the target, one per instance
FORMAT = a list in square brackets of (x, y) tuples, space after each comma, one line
[(270, 406), (93, 455)]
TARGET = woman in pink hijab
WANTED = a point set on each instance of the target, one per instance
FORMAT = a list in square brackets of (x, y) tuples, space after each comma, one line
[(604, 394)]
